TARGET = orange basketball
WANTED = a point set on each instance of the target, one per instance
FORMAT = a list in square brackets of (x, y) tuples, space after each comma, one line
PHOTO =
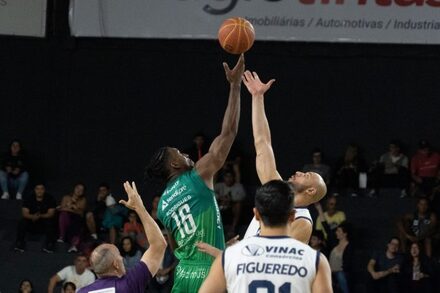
[(236, 35)]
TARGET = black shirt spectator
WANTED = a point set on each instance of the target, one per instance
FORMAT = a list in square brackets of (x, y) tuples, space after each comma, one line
[(38, 217), (417, 271), (13, 173)]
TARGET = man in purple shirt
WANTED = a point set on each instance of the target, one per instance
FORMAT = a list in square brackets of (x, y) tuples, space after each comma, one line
[(107, 261)]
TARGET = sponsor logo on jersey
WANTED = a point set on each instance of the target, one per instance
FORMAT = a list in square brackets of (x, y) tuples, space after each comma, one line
[(284, 250), (252, 250), (164, 204), (271, 269)]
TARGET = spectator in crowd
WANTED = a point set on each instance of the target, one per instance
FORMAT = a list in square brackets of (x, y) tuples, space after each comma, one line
[(135, 230), (113, 218), (417, 271), (384, 269), (77, 274), (425, 165), (107, 261), (95, 215), (38, 216), (391, 171), (341, 259), (199, 147), (318, 166), (317, 242), (419, 226), (435, 197), (328, 221), (71, 217), (131, 255), (26, 286), (348, 171), (154, 205), (13, 172), (69, 287), (230, 195), (163, 282)]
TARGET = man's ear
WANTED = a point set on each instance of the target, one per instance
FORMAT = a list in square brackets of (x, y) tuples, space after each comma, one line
[(174, 165), (311, 191), (256, 214), (292, 216)]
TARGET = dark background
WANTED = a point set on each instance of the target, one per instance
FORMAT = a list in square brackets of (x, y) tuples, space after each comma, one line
[(94, 110)]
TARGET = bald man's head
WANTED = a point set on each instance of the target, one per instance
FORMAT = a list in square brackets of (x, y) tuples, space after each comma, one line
[(107, 261), (309, 187)]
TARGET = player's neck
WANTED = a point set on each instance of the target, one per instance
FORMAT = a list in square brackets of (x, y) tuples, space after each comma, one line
[(273, 231), (300, 201)]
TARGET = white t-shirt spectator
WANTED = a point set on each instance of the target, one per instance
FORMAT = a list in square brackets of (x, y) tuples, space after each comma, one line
[(236, 191), (68, 274)]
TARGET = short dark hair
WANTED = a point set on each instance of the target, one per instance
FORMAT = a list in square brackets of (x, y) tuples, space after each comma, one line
[(319, 234), (104, 184), (157, 167), (394, 238), (67, 284), (347, 229), (274, 202)]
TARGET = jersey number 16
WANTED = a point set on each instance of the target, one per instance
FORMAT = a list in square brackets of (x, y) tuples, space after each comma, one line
[(184, 221)]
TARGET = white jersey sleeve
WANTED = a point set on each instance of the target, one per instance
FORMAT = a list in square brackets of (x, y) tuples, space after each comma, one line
[(270, 264), (254, 226)]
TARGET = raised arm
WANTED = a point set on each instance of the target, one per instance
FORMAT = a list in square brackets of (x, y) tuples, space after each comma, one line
[(210, 163), (154, 255), (265, 161)]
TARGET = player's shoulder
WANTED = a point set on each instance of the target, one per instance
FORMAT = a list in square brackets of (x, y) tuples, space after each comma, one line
[(303, 213)]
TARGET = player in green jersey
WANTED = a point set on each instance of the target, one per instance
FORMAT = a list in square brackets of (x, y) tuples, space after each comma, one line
[(188, 208)]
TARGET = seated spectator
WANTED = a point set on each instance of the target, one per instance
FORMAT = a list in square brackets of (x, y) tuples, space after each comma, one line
[(425, 165), (113, 218), (131, 255), (38, 216), (318, 166), (391, 171), (13, 172), (419, 226), (163, 282), (348, 171), (328, 221), (71, 217), (153, 212), (135, 230), (317, 242), (435, 197), (95, 215), (417, 271), (230, 196), (77, 274), (199, 147), (341, 260), (384, 269), (26, 286), (69, 287)]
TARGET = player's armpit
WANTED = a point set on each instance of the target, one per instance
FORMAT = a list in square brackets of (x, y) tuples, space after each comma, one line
[(215, 282), (301, 230), (323, 280)]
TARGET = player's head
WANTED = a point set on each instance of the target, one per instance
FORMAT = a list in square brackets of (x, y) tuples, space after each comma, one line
[(166, 162), (107, 261), (309, 187), (274, 203)]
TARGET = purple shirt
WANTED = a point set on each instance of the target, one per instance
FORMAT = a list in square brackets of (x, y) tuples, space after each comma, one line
[(135, 280)]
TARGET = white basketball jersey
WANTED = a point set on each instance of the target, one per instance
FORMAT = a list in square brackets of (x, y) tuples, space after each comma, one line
[(254, 227), (272, 264)]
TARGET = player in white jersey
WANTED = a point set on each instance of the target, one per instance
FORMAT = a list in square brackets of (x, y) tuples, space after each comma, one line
[(300, 214), (272, 261), (308, 187)]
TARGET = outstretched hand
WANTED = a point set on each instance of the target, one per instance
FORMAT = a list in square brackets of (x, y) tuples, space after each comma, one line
[(134, 199), (234, 76), (208, 249), (254, 85)]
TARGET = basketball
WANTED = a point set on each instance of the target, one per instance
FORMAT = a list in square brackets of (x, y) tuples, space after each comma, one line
[(236, 35)]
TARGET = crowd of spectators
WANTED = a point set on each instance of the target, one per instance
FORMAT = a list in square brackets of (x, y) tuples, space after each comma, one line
[(405, 266)]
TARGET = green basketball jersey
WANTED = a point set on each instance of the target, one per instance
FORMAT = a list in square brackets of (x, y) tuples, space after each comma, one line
[(189, 210)]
